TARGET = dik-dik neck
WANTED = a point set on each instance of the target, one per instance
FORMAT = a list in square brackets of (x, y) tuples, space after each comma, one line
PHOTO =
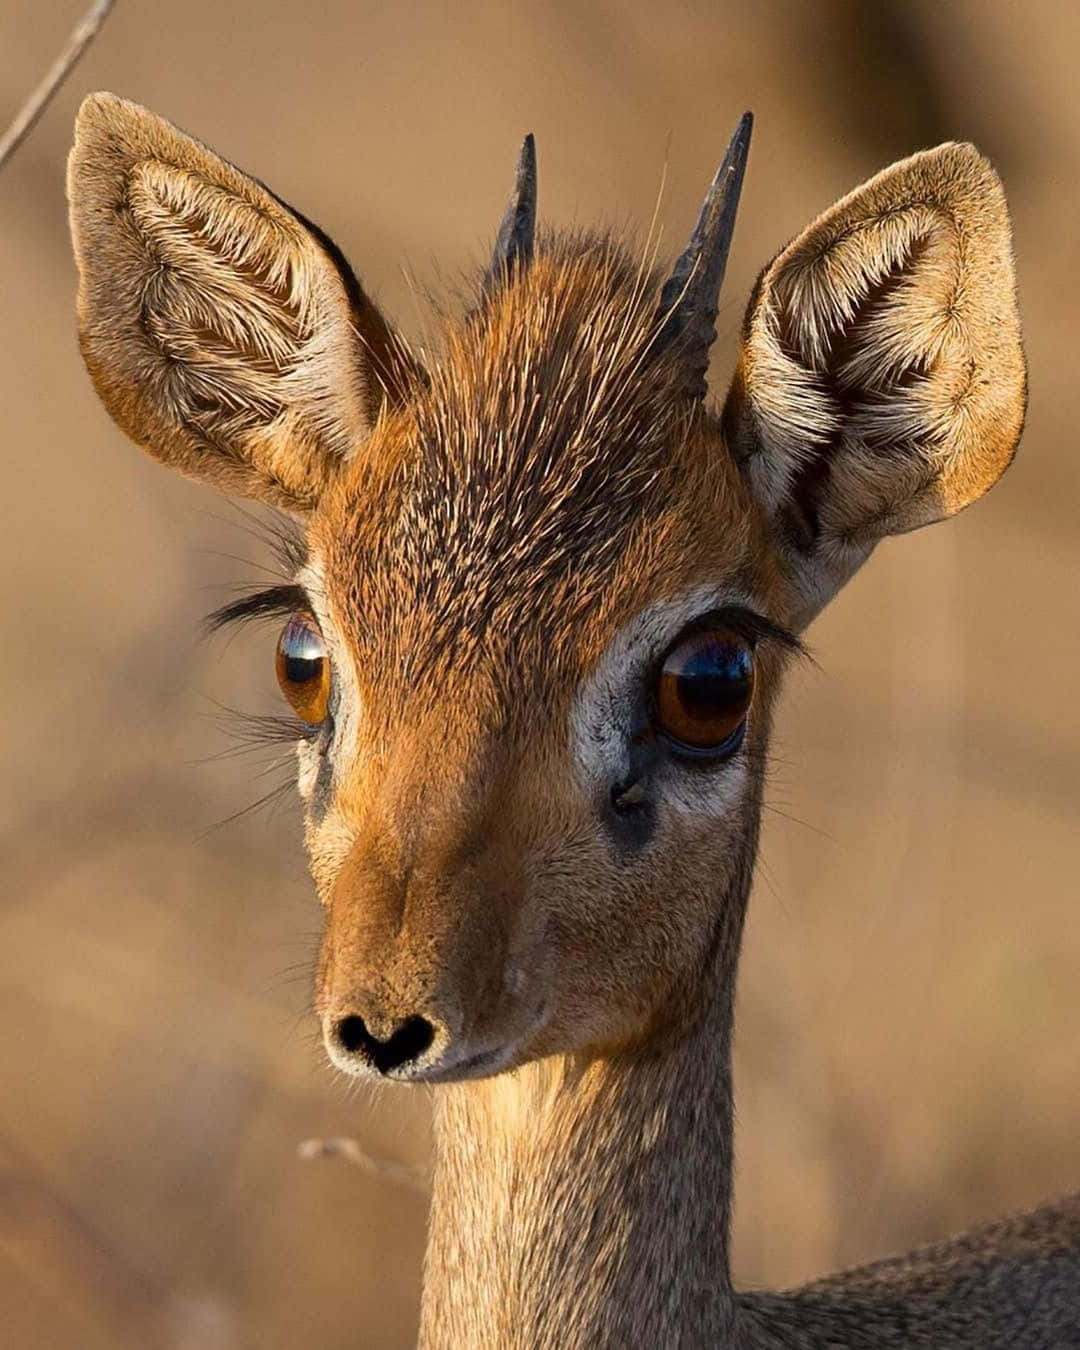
[(587, 1203)]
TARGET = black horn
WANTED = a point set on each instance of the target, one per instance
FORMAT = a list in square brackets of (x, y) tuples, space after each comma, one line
[(688, 302), (514, 244)]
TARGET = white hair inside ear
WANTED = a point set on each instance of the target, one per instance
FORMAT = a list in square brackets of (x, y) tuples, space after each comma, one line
[(881, 381)]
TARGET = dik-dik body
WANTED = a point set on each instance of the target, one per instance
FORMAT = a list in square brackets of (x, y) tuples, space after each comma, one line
[(546, 599)]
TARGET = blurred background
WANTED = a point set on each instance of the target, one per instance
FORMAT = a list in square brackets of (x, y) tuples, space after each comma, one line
[(908, 1056)]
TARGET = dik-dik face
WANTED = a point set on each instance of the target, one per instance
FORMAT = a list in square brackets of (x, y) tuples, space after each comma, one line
[(546, 594)]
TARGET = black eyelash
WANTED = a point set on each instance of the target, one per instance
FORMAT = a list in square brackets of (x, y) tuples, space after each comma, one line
[(274, 602), (749, 624), (288, 547), (254, 735)]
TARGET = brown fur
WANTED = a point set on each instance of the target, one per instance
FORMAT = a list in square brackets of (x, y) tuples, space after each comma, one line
[(492, 544)]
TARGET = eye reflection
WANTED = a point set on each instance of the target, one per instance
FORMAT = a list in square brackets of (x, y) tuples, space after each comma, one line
[(703, 692), (303, 669)]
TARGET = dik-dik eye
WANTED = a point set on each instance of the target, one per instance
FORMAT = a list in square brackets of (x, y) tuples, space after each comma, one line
[(703, 692), (303, 669)]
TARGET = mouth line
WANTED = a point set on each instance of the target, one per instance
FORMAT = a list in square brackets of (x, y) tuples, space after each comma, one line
[(462, 1068), (497, 1058), (483, 1061)]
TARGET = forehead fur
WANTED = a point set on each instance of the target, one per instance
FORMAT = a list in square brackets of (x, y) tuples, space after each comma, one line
[(543, 468)]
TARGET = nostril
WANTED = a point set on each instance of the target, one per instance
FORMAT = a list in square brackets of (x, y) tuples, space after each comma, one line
[(408, 1041), (352, 1034)]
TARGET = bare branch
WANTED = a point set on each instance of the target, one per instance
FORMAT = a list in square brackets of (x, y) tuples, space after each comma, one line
[(351, 1151), (39, 100)]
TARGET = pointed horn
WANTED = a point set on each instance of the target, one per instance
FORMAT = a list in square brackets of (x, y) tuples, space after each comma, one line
[(514, 244), (688, 302)]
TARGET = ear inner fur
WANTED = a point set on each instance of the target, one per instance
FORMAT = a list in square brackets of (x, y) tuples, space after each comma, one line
[(881, 379), (224, 334)]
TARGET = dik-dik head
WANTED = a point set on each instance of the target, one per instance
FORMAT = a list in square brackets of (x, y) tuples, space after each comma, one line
[(547, 591)]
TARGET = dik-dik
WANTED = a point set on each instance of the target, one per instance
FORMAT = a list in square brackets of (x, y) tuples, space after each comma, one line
[(547, 595)]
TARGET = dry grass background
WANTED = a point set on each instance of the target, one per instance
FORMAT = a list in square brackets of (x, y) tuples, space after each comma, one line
[(909, 1026)]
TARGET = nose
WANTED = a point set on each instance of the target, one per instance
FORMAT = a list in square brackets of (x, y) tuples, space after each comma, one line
[(406, 1041)]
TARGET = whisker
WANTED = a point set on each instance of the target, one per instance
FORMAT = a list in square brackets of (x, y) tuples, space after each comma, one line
[(797, 820), (267, 799), (274, 572)]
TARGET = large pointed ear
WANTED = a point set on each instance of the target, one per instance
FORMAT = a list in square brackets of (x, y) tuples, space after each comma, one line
[(223, 332), (881, 381)]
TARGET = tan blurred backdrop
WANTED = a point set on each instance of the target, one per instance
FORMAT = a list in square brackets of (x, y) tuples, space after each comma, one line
[(909, 1018)]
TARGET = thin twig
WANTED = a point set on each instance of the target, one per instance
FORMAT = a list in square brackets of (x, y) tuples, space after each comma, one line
[(38, 101), (351, 1151)]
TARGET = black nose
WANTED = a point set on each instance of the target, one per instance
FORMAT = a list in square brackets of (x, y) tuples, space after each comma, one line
[(407, 1042)]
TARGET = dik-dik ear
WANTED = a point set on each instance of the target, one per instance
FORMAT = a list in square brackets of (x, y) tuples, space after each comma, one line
[(881, 381), (223, 332)]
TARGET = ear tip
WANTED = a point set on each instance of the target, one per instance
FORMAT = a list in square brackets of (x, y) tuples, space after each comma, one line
[(961, 158), (101, 116), (106, 122), (104, 106)]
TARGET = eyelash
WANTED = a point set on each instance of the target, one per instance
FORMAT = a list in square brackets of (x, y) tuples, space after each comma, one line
[(748, 624), (275, 602)]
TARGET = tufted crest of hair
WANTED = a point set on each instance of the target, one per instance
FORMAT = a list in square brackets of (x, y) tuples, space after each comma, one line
[(544, 452), (223, 332), (881, 383)]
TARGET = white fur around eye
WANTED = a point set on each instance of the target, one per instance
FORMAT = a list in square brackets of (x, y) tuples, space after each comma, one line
[(307, 772), (602, 718)]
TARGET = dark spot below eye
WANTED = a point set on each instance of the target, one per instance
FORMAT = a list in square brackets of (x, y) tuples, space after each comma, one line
[(632, 814)]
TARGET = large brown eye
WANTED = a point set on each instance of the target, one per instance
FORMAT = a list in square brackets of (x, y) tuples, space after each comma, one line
[(703, 692), (303, 669)]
